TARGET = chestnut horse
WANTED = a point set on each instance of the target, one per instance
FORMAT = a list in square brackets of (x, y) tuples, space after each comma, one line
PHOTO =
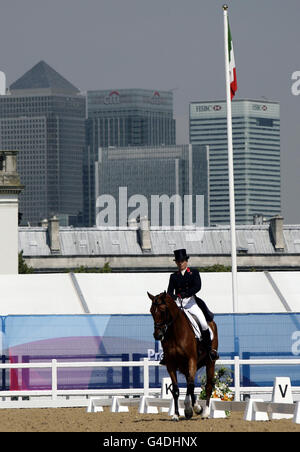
[(183, 352)]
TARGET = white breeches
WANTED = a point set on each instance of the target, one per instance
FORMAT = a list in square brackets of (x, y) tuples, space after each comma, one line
[(189, 304)]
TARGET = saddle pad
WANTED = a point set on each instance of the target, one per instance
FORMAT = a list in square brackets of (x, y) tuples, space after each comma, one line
[(196, 327)]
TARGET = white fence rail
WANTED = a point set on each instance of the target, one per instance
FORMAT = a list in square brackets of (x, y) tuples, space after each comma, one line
[(54, 394)]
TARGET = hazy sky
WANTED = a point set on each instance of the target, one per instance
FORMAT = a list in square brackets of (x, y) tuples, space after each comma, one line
[(166, 44)]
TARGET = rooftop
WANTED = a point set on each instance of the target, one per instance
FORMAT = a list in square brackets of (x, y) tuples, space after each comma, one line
[(43, 77), (251, 239)]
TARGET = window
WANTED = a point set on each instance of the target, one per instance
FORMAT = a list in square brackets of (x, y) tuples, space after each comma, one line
[(264, 122)]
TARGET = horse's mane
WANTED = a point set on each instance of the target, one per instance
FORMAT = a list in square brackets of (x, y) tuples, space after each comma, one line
[(170, 300)]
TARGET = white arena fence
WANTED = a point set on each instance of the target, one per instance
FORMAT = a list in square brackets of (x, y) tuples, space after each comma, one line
[(80, 397)]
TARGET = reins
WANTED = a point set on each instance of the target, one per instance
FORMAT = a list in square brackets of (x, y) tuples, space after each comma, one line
[(167, 324)]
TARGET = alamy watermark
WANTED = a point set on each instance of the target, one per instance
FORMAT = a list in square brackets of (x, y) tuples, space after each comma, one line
[(295, 88), (165, 212)]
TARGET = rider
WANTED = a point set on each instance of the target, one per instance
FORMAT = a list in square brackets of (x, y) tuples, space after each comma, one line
[(183, 286)]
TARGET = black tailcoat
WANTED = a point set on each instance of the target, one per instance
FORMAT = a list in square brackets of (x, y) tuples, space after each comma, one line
[(188, 285)]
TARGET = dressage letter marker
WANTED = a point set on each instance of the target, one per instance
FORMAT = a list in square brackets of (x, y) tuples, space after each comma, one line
[(282, 393), (166, 391), (166, 388)]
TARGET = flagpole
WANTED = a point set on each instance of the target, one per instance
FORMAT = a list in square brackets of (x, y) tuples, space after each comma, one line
[(230, 167)]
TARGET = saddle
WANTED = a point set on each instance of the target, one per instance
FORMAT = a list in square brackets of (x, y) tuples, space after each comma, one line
[(196, 320)]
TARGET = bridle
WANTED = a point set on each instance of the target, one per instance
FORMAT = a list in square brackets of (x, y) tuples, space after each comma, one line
[(165, 324)]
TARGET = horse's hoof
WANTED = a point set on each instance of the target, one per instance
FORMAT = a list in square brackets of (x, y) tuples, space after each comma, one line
[(175, 418), (198, 409), (205, 413), (188, 412)]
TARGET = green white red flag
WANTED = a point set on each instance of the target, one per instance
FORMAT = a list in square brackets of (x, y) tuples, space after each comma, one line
[(232, 68)]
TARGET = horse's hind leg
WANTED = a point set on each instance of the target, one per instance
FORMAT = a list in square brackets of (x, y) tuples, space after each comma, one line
[(210, 374)]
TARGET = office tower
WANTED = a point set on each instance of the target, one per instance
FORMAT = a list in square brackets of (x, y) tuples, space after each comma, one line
[(162, 171), (43, 117), (124, 118), (256, 153)]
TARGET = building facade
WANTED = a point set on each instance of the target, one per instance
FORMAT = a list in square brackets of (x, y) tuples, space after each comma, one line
[(256, 154), (124, 118), (130, 117), (163, 176), (43, 117)]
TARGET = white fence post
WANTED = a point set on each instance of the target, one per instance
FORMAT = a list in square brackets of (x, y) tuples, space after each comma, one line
[(237, 392), (54, 379), (146, 377)]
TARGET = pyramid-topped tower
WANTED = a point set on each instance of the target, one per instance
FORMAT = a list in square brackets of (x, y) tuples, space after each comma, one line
[(43, 117), (43, 77)]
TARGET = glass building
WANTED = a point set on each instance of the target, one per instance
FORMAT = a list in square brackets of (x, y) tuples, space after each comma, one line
[(43, 117), (256, 154), (161, 171), (124, 118)]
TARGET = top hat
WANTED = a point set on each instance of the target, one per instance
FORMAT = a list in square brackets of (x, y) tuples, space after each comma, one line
[(180, 255)]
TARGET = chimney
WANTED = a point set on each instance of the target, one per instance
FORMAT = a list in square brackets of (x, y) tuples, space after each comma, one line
[(276, 232), (258, 219), (44, 223), (132, 223), (144, 234), (53, 231)]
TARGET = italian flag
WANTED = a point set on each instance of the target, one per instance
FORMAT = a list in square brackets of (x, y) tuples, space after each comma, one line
[(232, 68)]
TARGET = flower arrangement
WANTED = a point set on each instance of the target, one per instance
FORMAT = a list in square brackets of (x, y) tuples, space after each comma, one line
[(222, 380)]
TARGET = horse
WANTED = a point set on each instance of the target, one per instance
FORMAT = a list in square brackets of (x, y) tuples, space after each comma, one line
[(182, 352)]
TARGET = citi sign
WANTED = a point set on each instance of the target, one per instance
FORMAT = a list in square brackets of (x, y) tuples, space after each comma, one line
[(112, 98), (205, 108), (155, 98)]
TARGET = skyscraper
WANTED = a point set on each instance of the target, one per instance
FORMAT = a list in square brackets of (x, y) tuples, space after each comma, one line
[(157, 172), (124, 118), (256, 154), (43, 117)]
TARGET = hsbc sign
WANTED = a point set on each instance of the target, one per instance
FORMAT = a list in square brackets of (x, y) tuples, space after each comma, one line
[(206, 108), (259, 107)]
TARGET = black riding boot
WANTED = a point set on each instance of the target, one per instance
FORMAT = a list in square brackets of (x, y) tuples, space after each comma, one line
[(163, 362), (213, 354)]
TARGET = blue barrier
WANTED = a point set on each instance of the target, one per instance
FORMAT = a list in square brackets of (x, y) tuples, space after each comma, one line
[(130, 337)]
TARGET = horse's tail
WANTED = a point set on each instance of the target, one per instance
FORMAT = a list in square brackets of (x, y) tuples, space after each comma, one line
[(215, 341)]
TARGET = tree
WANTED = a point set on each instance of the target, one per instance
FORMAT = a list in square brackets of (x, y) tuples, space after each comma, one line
[(82, 269), (23, 267), (215, 268)]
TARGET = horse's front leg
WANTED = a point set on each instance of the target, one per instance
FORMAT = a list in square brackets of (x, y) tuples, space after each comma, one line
[(210, 375), (175, 392), (190, 399)]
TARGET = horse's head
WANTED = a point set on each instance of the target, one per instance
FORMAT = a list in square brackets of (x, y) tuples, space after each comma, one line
[(160, 313)]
